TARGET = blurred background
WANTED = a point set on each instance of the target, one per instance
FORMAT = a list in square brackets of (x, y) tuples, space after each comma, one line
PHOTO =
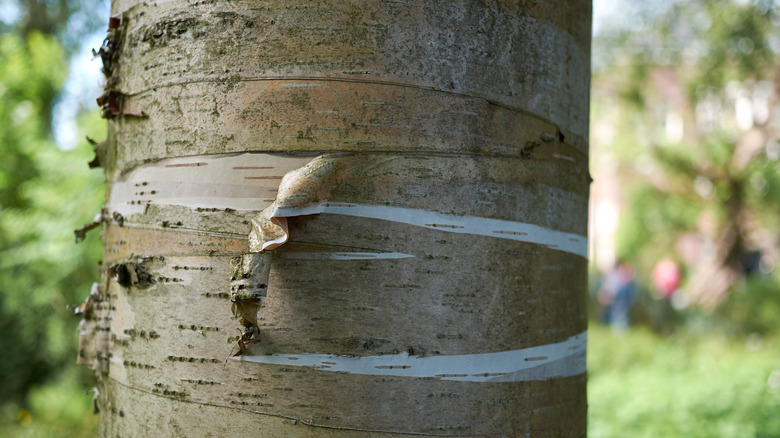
[(684, 292), (685, 219), (48, 87)]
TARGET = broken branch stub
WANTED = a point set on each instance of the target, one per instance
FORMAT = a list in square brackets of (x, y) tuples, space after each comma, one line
[(100, 149), (81, 233)]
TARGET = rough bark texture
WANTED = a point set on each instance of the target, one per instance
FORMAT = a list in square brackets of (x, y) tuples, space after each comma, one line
[(429, 271)]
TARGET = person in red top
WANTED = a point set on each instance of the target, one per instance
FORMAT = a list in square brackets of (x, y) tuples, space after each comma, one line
[(666, 278)]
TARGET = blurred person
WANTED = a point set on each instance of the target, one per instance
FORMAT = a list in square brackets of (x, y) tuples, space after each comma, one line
[(618, 294), (667, 277)]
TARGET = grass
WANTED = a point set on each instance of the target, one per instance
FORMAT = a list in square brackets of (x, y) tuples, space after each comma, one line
[(642, 385)]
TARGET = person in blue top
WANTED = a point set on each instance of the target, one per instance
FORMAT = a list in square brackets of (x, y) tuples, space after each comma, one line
[(618, 293)]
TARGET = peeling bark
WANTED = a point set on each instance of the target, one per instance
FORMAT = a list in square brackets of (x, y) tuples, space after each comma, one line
[(345, 218)]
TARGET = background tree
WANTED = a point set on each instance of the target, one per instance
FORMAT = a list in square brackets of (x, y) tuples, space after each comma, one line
[(45, 193), (416, 174), (687, 109), (683, 114)]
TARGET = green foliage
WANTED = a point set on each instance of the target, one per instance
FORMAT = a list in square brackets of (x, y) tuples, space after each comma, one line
[(650, 222), (762, 180), (30, 74), (45, 193), (752, 310), (58, 409), (633, 92), (736, 44), (641, 385)]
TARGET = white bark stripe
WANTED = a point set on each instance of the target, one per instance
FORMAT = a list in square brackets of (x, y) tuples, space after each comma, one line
[(562, 359), (504, 229), (238, 181), (324, 255), (250, 182)]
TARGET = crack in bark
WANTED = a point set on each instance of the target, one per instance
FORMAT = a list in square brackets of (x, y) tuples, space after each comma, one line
[(307, 423)]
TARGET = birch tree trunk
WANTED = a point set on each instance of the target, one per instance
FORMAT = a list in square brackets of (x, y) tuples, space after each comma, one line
[(343, 218)]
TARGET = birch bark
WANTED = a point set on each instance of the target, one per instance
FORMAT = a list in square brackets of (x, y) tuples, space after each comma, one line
[(415, 175)]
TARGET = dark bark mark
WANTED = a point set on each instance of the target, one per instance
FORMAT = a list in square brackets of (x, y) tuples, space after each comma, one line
[(131, 275), (198, 164), (160, 34), (118, 218)]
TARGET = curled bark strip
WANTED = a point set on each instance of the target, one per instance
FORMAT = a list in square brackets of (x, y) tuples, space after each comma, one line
[(248, 284), (312, 189), (111, 102), (95, 396), (109, 53), (93, 331), (311, 184), (86, 308)]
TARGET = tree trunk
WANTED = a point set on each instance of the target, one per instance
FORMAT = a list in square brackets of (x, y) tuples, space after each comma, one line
[(343, 218)]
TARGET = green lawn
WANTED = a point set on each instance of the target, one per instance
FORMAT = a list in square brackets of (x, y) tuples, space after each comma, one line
[(642, 385)]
